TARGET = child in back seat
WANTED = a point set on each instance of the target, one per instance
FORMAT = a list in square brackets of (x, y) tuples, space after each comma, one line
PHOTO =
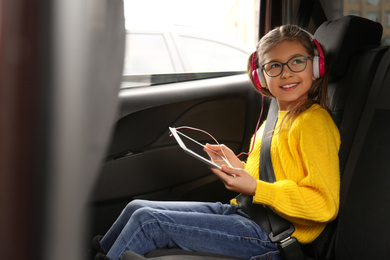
[(289, 66)]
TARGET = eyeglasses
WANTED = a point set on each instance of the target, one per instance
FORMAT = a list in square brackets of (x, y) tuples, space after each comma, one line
[(295, 64)]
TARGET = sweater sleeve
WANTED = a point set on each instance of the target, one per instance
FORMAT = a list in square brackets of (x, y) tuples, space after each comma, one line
[(305, 161)]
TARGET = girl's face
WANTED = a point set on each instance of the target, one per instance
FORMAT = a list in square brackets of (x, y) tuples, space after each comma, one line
[(289, 88)]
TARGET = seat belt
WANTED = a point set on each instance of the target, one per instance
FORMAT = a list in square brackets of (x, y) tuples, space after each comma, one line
[(279, 229)]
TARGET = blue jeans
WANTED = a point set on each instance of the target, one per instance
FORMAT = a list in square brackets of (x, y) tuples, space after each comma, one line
[(195, 226)]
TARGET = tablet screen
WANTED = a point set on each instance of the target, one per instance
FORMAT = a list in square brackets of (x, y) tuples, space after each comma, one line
[(195, 149)]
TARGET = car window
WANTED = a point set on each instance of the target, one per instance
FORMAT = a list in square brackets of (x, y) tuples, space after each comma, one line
[(375, 10), (180, 40), (147, 54), (207, 56)]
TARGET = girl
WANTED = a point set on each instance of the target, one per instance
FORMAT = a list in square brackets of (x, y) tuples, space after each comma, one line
[(304, 152)]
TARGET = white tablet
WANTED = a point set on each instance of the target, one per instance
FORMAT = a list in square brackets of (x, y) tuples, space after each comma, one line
[(193, 148)]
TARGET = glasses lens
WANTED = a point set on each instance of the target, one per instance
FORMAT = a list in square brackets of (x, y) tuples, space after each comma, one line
[(273, 69), (297, 64)]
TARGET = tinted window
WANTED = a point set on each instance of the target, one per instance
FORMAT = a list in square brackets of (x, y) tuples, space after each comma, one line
[(147, 54), (197, 39), (375, 10), (207, 56)]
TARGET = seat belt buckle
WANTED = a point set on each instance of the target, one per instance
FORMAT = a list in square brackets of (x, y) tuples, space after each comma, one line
[(281, 236), (290, 249)]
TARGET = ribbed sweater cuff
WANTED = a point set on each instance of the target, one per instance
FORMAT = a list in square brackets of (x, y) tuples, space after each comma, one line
[(265, 193)]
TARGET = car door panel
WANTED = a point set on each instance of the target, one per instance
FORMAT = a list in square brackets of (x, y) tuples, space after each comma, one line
[(143, 161)]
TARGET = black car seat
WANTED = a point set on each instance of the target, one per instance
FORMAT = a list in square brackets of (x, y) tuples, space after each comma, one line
[(354, 52), (355, 55), (360, 101), (363, 231)]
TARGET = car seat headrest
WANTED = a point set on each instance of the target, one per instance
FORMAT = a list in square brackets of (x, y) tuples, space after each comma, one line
[(344, 37)]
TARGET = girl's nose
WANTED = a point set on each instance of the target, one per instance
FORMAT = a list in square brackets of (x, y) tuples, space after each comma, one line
[(286, 72)]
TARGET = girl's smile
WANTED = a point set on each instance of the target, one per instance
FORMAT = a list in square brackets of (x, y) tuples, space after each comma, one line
[(289, 88)]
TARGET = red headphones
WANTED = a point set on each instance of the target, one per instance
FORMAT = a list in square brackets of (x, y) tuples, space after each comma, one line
[(318, 62), (318, 67)]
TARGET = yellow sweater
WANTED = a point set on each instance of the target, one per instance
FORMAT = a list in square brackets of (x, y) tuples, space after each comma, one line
[(306, 166)]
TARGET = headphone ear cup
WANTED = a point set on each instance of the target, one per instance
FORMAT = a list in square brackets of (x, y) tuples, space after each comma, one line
[(257, 79), (321, 66), (318, 62), (262, 81), (318, 67), (257, 75), (316, 71)]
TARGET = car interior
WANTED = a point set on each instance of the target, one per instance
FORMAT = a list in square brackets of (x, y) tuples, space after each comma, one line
[(351, 43), (89, 147)]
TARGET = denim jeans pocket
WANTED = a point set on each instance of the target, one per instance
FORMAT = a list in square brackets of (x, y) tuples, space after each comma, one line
[(273, 255)]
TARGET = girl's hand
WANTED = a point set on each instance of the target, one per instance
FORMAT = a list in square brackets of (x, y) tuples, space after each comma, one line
[(233, 176), (216, 152), (236, 179)]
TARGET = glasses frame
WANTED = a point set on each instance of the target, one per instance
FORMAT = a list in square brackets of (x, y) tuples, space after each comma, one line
[(286, 63)]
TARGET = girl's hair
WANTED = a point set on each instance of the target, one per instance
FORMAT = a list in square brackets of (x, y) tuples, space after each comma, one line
[(318, 93)]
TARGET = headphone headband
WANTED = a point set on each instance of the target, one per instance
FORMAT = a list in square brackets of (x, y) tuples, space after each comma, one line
[(320, 53)]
